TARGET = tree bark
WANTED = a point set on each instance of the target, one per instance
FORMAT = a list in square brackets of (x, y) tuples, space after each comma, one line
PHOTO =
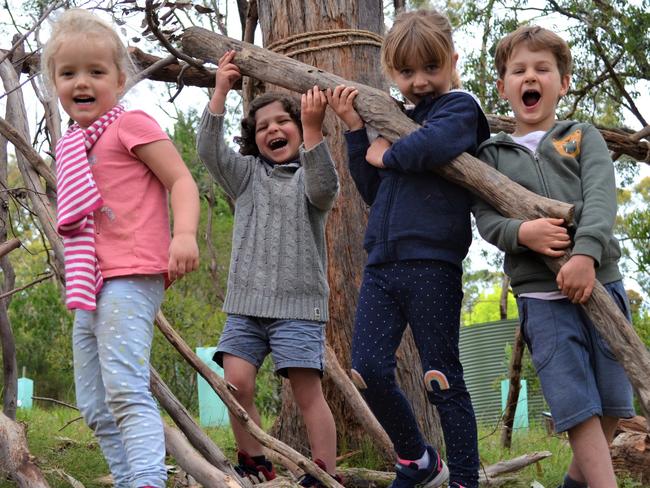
[(14, 456), (9, 364), (506, 196), (631, 456)]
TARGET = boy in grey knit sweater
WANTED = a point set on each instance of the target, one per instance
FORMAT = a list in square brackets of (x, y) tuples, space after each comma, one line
[(284, 183)]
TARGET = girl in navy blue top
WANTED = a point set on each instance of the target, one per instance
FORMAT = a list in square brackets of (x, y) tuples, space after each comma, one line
[(418, 234)]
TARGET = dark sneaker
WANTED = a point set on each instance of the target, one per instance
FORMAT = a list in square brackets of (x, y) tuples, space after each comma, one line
[(455, 484), (257, 473), (432, 476), (308, 480)]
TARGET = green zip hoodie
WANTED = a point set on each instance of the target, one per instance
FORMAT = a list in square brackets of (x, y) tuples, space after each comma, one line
[(571, 164)]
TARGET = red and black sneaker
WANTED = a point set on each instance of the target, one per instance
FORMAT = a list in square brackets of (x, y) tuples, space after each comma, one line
[(258, 469), (311, 482)]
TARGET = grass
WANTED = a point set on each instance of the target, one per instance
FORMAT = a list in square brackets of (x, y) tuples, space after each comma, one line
[(61, 444)]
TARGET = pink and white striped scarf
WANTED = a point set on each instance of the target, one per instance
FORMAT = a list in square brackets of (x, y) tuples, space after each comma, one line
[(77, 198)]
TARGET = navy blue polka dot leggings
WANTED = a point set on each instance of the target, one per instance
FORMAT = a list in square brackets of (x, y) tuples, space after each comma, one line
[(427, 295)]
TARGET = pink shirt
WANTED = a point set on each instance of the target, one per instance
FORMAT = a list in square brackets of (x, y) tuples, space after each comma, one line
[(132, 233)]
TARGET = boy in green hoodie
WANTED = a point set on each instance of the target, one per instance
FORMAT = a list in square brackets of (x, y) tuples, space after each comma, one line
[(585, 387)]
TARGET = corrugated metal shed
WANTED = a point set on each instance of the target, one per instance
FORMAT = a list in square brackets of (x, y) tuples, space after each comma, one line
[(485, 364)]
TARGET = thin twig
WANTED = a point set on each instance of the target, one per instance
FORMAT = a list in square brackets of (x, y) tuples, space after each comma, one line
[(16, 290), (47, 12), (53, 400), (152, 22)]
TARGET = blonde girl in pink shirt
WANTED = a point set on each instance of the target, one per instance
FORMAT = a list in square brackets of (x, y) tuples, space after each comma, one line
[(114, 171)]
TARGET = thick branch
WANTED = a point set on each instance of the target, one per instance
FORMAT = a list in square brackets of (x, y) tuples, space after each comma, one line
[(195, 435), (7, 247), (40, 166), (617, 140), (193, 463), (378, 109)]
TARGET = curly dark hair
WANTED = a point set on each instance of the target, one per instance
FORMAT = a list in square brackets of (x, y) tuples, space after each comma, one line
[(246, 140)]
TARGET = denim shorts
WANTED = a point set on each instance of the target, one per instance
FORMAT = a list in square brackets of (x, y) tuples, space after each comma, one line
[(579, 374), (292, 343)]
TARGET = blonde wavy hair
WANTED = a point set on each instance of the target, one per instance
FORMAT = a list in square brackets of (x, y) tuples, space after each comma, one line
[(80, 22)]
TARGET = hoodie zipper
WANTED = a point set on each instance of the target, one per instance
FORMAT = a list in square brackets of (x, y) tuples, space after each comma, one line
[(534, 156)]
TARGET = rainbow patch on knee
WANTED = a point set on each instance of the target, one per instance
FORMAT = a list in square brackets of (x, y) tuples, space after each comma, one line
[(357, 380), (433, 376)]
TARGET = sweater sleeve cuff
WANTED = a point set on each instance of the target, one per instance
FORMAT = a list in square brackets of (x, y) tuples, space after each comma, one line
[(589, 246), (211, 122), (512, 237), (319, 152), (357, 139)]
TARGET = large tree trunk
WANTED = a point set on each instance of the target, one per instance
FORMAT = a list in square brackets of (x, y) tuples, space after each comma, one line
[(353, 56)]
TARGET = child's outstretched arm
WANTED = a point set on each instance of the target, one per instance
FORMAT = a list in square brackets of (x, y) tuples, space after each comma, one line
[(225, 78), (365, 176), (321, 179), (312, 113), (165, 162), (230, 170)]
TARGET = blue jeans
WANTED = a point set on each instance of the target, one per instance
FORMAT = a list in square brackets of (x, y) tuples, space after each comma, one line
[(111, 348)]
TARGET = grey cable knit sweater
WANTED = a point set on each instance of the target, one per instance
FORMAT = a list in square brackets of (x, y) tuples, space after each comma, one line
[(278, 266)]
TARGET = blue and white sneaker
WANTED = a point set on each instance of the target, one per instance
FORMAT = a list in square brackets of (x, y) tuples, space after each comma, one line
[(412, 476)]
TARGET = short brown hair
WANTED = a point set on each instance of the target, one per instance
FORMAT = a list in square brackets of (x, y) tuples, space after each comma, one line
[(536, 38), (246, 140), (423, 35)]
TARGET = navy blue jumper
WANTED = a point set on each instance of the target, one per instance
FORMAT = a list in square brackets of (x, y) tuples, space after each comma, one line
[(418, 234)]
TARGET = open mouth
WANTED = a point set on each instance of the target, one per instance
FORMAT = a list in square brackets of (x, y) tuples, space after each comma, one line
[(531, 97), (277, 143), (83, 100)]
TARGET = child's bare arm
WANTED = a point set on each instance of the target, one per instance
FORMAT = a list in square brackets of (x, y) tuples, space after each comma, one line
[(312, 112), (165, 162), (546, 236), (342, 102), (225, 78), (577, 277)]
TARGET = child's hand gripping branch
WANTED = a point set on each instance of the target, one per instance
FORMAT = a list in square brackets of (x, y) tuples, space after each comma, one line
[(225, 78), (342, 102), (312, 113), (547, 236)]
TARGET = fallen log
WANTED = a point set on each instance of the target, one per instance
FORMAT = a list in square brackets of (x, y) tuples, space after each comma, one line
[(381, 112), (14, 456), (194, 434), (220, 386), (631, 456), (193, 463)]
